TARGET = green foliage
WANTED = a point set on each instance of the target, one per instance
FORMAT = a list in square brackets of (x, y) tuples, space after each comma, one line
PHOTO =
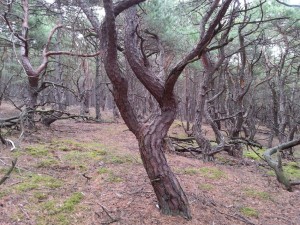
[(164, 16), (250, 212)]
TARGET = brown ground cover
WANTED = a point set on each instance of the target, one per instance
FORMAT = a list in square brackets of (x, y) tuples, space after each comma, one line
[(89, 173)]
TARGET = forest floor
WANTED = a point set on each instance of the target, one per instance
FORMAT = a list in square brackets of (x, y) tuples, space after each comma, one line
[(89, 173)]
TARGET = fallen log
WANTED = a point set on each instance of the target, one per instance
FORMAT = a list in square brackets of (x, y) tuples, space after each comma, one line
[(277, 165)]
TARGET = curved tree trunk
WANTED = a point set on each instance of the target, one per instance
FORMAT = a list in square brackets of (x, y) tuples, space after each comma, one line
[(276, 165), (171, 197), (150, 134)]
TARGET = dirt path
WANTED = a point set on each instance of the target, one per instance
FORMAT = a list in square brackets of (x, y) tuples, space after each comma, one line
[(85, 173)]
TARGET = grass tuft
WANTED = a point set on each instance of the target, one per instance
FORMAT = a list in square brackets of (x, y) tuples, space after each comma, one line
[(249, 212)]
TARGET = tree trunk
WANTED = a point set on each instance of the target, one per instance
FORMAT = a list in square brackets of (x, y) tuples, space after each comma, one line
[(171, 198), (97, 89), (31, 102)]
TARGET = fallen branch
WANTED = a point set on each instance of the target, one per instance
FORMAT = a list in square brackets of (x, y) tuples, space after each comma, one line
[(12, 144), (189, 139), (277, 165), (113, 220), (7, 175)]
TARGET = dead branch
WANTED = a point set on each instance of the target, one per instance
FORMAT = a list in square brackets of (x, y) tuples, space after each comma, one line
[(7, 175), (189, 139), (277, 165), (113, 220)]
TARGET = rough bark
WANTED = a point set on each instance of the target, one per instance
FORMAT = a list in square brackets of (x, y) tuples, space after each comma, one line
[(97, 89)]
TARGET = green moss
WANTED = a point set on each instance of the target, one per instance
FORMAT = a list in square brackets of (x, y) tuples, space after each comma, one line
[(212, 172), (113, 178), (250, 192), (34, 181), (223, 159), (3, 193), (103, 170), (40, 196), (37, 150), (190, 171), (77, 158), (252, 155), (206, 187), (17, 153), (55, 213), (26, 186), (208, 172), (119, 159), (72, 201), (271, 173), (50, 207), (250, 212), (46, 163), (292, 170), (71, 145)]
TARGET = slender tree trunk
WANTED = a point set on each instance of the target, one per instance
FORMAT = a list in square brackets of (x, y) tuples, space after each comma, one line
[(187, 101), (97, 89)]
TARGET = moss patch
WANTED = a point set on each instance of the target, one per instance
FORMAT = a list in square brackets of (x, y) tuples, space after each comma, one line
[(113, 178), (77, 158), (252, 155), (34, 181), (189, 171), (103, 170), (3, 193), (208, 172), (71, 145), (251, 192), (55, 213), (206, 187), (46, 163), (250, 212), (119, 159), (40, 196), (37, 150), (71, 202), (212, 172), (292, 170)]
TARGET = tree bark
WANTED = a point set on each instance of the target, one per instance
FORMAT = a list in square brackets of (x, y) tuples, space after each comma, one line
[(171, 197), (97, 89)]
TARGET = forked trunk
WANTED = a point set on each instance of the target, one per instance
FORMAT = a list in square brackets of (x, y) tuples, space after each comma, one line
[(171, 198)]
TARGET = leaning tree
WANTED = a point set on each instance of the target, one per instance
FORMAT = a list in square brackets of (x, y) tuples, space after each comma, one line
[(152, 131)]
